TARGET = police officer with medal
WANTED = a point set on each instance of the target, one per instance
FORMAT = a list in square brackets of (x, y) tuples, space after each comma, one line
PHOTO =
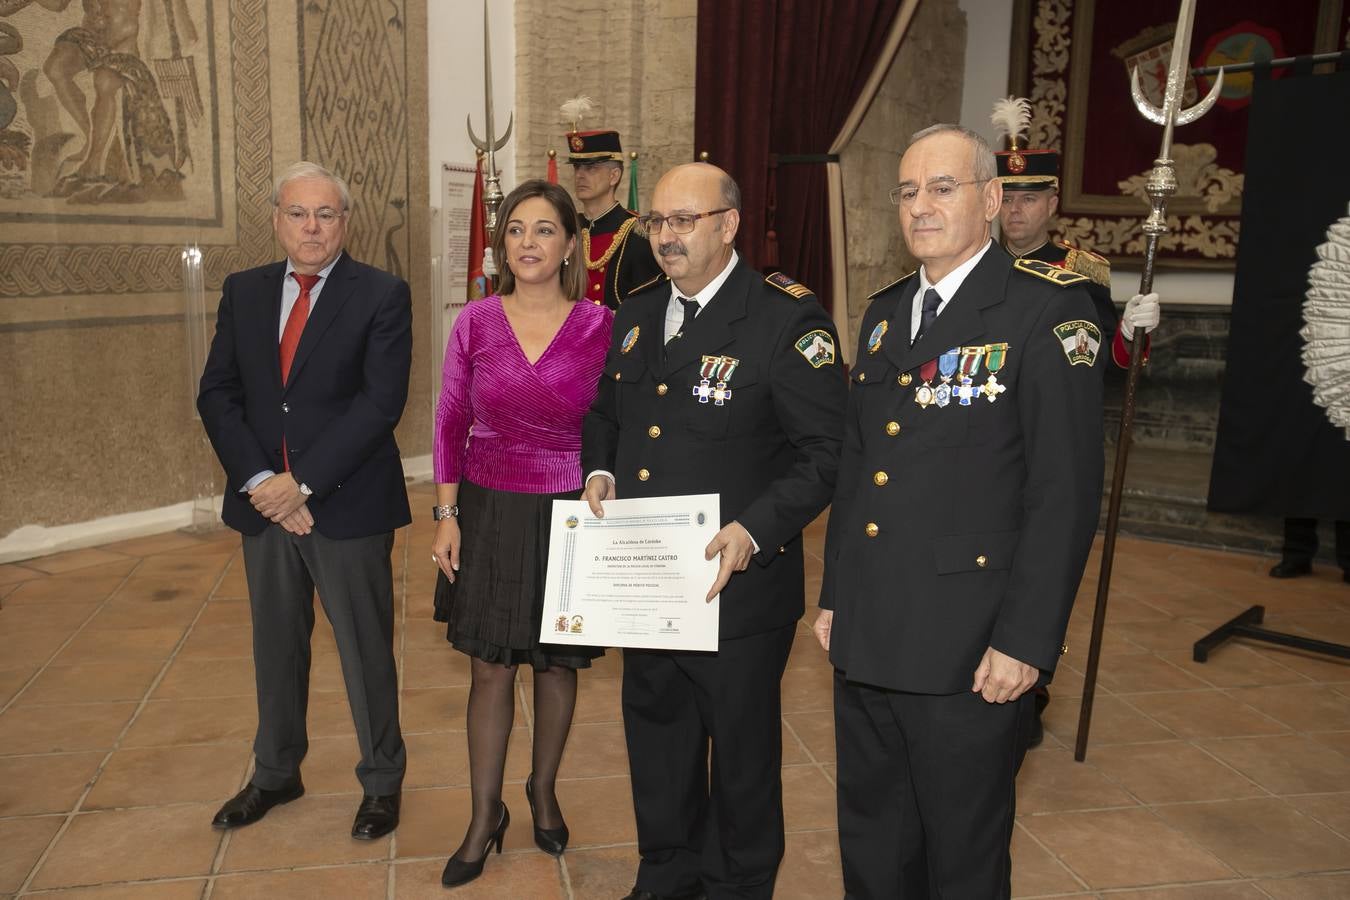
[(1030, 200), (969, 490), (617, 255), (718, 380)]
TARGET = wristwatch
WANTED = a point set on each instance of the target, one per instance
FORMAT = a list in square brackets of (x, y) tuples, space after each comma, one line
[(444, 512), (304, 489)]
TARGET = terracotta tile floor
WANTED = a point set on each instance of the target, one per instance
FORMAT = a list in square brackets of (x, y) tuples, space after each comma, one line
[(126, 711)]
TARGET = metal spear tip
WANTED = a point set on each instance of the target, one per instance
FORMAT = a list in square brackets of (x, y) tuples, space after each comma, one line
[(1184, 117)]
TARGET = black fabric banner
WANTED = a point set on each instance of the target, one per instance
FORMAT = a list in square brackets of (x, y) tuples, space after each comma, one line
[(1276, 452)]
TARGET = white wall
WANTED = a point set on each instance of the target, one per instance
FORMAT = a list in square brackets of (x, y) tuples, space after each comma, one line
[(989, 29), (455, 82), (988, 26)]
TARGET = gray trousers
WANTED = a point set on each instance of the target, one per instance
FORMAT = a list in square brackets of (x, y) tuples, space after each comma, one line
[(355, 583)]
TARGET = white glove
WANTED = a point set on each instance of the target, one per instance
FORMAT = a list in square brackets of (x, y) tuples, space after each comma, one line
[(1142, 311)]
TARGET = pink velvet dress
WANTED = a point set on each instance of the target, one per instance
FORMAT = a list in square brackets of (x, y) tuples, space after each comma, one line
[(509, 433)]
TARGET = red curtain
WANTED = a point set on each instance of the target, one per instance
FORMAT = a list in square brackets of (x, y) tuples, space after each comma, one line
[(777, 78)]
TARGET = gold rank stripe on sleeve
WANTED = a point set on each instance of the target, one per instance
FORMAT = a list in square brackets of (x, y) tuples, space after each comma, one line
[(882, 290), (788, 286), (1096, 267), (1047, 272)]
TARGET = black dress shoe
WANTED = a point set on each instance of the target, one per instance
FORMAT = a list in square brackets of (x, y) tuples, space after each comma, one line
[(375, 817), (253, 802), (552, 841), (1289, 569), (458, 872), (648, 895)]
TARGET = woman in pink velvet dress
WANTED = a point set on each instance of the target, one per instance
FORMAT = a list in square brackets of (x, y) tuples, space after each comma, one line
[(521, 369)]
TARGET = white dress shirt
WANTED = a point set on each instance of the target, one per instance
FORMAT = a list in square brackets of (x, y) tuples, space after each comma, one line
[(675, 309), (946, 288)]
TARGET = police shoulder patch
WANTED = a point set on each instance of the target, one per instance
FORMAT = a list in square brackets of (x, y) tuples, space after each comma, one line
[(788, 286), (816, 347), (882, 290), (1080, 340), (1047, 272)]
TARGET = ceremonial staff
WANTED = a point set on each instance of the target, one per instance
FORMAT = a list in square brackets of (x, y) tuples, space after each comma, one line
[(1161, 185), (492, 191)]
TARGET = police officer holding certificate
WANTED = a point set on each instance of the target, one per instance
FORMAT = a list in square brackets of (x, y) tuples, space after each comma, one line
[(968, 497), (718, 380)]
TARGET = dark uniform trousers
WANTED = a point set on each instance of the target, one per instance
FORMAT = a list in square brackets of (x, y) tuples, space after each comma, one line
[(672, 704), (355, 585), (937, 768), (746, 404), (954, 529)]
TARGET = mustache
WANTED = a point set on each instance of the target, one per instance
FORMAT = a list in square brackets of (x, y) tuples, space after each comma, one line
[(672, 248)]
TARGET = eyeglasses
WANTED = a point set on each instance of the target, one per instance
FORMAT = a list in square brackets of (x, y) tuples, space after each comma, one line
[(938, 191), (680, 223), (327, 216)]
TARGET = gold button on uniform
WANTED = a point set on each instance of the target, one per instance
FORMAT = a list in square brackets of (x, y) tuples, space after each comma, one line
[(872, 529), (892, 428), (654, 431), (981, 560), (905, 379), (881, 478), (862, 376), (643, 474), (1063, 649), (618, 376), (661, 390)]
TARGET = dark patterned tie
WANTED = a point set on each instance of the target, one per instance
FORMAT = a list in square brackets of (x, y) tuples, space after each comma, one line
[(931, 302)]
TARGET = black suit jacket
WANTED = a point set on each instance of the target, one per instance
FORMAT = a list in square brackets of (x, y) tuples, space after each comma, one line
[(337, 412), (982, 515), (771, 450)]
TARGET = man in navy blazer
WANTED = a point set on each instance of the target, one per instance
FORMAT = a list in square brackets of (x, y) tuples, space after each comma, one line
[(306, 379)]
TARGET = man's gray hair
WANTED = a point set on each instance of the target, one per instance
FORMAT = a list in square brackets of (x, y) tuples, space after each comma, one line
[(731, 193), (306, 169), (985, 167)]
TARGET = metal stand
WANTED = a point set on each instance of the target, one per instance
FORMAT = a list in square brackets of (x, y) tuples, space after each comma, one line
[(1246, 625)]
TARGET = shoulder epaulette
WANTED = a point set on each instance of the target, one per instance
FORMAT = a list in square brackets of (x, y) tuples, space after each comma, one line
[(1048, 272), (655, 279), (788, 286), (1096, 267), (882, 290)]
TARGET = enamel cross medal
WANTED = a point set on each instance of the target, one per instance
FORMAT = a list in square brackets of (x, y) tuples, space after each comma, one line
[(995, 356), (970, 367)]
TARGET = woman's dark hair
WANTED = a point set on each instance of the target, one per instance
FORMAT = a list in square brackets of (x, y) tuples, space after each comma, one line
[(572, 277)]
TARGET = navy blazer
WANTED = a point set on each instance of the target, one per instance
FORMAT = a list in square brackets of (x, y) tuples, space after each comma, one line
[(347, 389)]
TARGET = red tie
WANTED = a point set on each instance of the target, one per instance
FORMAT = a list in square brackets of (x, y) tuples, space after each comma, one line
[(290, 339), (295, 323)]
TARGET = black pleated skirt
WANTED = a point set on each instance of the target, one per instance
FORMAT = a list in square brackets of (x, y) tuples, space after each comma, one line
[(495, 606)]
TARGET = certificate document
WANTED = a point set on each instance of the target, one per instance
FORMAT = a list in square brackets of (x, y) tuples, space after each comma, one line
[(635, 578)]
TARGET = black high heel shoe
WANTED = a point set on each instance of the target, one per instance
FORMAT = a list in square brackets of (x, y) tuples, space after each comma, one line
[(552, 841), (458, 872)]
